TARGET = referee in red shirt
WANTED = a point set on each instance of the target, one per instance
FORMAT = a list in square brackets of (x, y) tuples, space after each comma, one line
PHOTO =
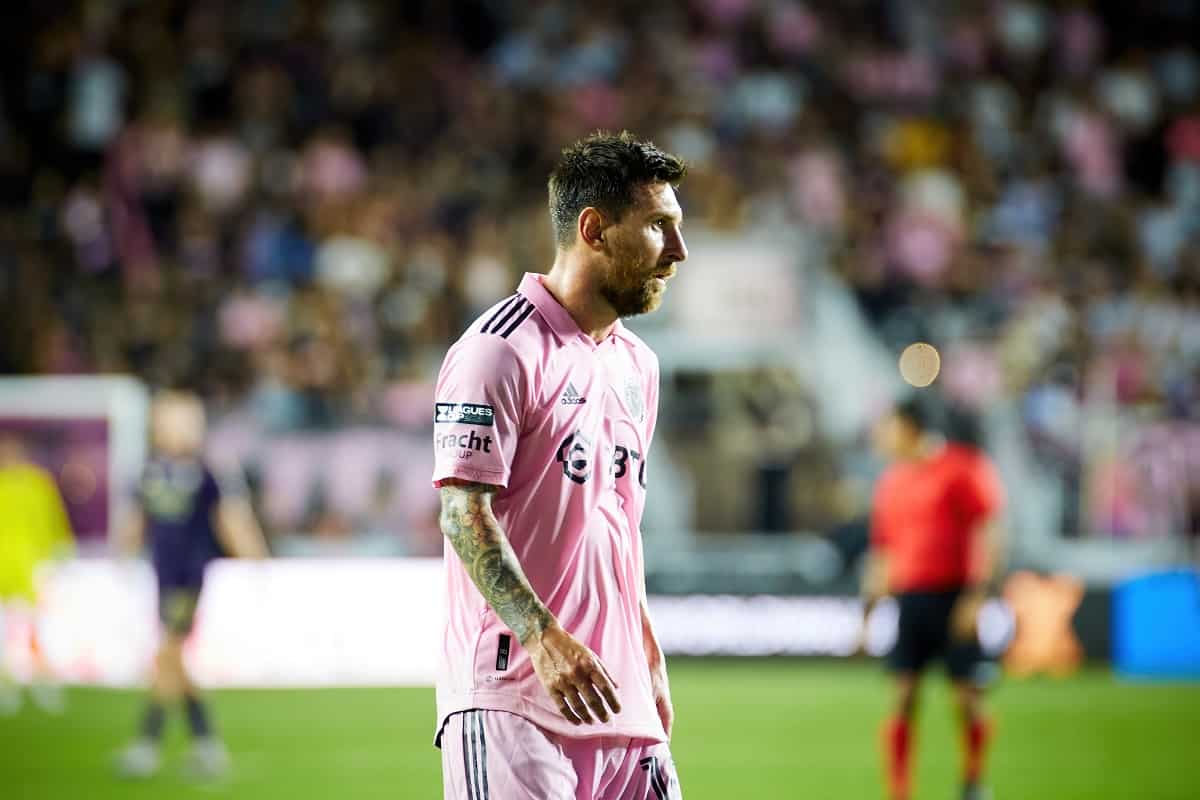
[(935, 546)]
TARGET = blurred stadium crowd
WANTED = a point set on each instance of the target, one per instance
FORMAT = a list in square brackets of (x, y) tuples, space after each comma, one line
[(294, 205)]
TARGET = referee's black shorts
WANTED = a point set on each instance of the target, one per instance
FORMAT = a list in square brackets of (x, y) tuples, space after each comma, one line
[(177, 608), (924, 634)]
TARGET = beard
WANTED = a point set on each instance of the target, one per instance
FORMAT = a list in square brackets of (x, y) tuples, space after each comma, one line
[(631, 288)]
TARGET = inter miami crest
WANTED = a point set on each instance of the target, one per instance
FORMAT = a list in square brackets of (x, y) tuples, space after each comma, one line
[(635, 401)]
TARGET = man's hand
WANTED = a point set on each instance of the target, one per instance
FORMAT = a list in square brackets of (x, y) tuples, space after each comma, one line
[(864, 632), (964, 618), (657, 664), (661, 688), (573, 675)]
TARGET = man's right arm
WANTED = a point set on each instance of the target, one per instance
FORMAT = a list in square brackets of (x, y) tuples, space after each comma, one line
[(476, 535), (130, 535), (874, 579), (874, 586), (571, 673), (238, 529)]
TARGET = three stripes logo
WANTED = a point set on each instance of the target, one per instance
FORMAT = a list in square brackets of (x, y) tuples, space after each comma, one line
[(474, 748), (509, 316), (660, 782), (572, 397), (475, 772)]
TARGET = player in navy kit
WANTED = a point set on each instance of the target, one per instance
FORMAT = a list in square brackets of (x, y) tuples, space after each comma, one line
[(188, 519)]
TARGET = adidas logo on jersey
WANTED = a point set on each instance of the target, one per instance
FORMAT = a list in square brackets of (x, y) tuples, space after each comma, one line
[(572, 397)]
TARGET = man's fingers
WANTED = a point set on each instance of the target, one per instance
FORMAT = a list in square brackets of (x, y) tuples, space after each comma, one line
[(607, 686), (565, 709), (609, 695), (577, 704), (588, 693)]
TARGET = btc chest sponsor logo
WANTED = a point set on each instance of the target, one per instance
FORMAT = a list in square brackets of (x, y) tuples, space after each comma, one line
[(465, 413), (576, 454)]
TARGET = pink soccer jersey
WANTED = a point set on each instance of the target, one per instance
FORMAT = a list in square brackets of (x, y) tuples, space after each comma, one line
[(528, 402)]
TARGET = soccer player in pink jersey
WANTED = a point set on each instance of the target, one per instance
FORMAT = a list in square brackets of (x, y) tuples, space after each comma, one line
[(553, 684)]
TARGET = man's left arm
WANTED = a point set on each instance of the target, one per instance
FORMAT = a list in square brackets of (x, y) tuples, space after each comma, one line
[(988, 566), (657, 662), (655, 659), (232, 516), (982, 497), (60, 539)]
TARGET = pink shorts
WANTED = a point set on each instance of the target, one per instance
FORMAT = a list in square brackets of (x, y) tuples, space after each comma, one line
[(495, 755)]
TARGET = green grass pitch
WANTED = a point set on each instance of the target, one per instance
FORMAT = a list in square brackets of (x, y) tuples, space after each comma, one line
[(761, 729)]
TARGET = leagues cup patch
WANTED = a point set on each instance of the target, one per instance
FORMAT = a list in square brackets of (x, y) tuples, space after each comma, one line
[(466, 413), (633, 397)]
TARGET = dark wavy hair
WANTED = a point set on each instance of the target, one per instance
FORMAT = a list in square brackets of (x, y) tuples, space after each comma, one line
[(604, 171), (923, 411)]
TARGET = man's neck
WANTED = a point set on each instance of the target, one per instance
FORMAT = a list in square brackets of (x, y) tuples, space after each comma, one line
[(925, 448), (573, 285)]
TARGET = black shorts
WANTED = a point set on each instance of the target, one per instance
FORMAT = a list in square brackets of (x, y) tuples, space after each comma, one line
[(924, 634), (177, 608)]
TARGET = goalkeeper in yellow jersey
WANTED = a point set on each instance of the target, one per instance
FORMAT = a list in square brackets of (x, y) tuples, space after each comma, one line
[(34, 529)]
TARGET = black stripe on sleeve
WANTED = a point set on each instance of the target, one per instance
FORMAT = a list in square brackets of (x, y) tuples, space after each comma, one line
[(513, 309), (499, 311), (517, 322)]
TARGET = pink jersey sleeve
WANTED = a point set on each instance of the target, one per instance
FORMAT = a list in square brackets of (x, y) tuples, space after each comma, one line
[(478, 407)]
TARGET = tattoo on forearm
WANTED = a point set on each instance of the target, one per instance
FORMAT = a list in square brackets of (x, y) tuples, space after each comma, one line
[(476, 536)]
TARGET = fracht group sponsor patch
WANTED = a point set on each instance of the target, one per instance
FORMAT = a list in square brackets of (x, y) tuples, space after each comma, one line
[(466, 413)]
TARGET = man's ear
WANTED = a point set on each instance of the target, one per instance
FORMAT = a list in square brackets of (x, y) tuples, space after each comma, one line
[(591, 228)]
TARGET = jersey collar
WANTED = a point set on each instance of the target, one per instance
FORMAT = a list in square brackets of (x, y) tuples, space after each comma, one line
[(557, 317)]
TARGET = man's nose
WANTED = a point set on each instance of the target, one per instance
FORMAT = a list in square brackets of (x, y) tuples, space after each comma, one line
[(677, 249)]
